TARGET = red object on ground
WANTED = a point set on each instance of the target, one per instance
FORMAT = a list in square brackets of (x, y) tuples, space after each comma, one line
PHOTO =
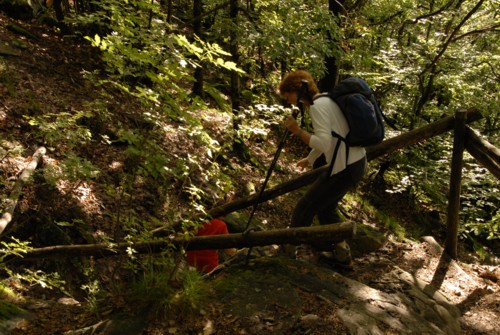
[(207, 260)]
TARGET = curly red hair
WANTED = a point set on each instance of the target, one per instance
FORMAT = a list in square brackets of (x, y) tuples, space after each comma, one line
[(293, 83)]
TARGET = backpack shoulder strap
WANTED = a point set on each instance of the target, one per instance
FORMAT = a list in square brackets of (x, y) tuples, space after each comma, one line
[(334, 156), (324, 94), (340, 139)]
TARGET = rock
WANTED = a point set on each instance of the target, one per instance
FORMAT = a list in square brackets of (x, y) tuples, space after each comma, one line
[(366, 240), (414, 308), (236, 222)]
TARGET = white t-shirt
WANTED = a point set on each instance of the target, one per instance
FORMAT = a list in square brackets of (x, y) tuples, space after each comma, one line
[(327, 116)]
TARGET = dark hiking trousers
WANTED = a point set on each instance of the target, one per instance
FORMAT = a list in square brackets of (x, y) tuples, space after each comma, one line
[(323, 196)]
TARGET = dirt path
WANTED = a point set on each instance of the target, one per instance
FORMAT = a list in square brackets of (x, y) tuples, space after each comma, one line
[(400, 289)]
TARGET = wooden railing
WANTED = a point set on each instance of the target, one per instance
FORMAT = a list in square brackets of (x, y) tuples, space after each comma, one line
[(487, 154)]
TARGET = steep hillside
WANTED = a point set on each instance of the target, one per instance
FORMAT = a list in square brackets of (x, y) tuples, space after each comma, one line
[(395, 287)]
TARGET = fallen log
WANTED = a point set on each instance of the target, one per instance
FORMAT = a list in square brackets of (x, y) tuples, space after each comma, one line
[(386, 147), (16, 191), (334, 233)]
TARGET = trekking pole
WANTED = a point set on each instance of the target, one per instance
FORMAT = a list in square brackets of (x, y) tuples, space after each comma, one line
[(300, 104)]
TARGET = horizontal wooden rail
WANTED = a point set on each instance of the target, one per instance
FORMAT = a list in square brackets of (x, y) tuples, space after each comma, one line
[(485, 153), (386, 147), (295, 236)]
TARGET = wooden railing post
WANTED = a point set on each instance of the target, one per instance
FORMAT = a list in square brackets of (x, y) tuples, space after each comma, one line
[(455, 184)]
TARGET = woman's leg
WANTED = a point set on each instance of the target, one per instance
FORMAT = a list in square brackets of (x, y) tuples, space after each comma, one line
[(338, 185), (324, 194)]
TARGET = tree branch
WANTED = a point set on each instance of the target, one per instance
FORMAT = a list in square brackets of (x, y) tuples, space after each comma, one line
[(425, 16), (491, 28), (454, 32)]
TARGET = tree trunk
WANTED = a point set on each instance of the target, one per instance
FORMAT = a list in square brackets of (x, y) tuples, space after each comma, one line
[(197, 29), (233, 49), (330, 78), (239, 147)]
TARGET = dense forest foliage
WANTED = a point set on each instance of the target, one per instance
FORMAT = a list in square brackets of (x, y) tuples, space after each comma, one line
[(179, 59), (424, 60)]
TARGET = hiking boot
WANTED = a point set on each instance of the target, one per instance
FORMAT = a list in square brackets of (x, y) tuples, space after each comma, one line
[(306, 253), (342, 254)]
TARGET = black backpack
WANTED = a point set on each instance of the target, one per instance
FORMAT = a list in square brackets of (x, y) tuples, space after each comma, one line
[(362, 112)]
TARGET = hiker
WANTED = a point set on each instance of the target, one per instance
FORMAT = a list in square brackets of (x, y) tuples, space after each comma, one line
[(322, 198)]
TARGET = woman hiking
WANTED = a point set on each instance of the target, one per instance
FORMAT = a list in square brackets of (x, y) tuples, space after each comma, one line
[(322, 198)]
